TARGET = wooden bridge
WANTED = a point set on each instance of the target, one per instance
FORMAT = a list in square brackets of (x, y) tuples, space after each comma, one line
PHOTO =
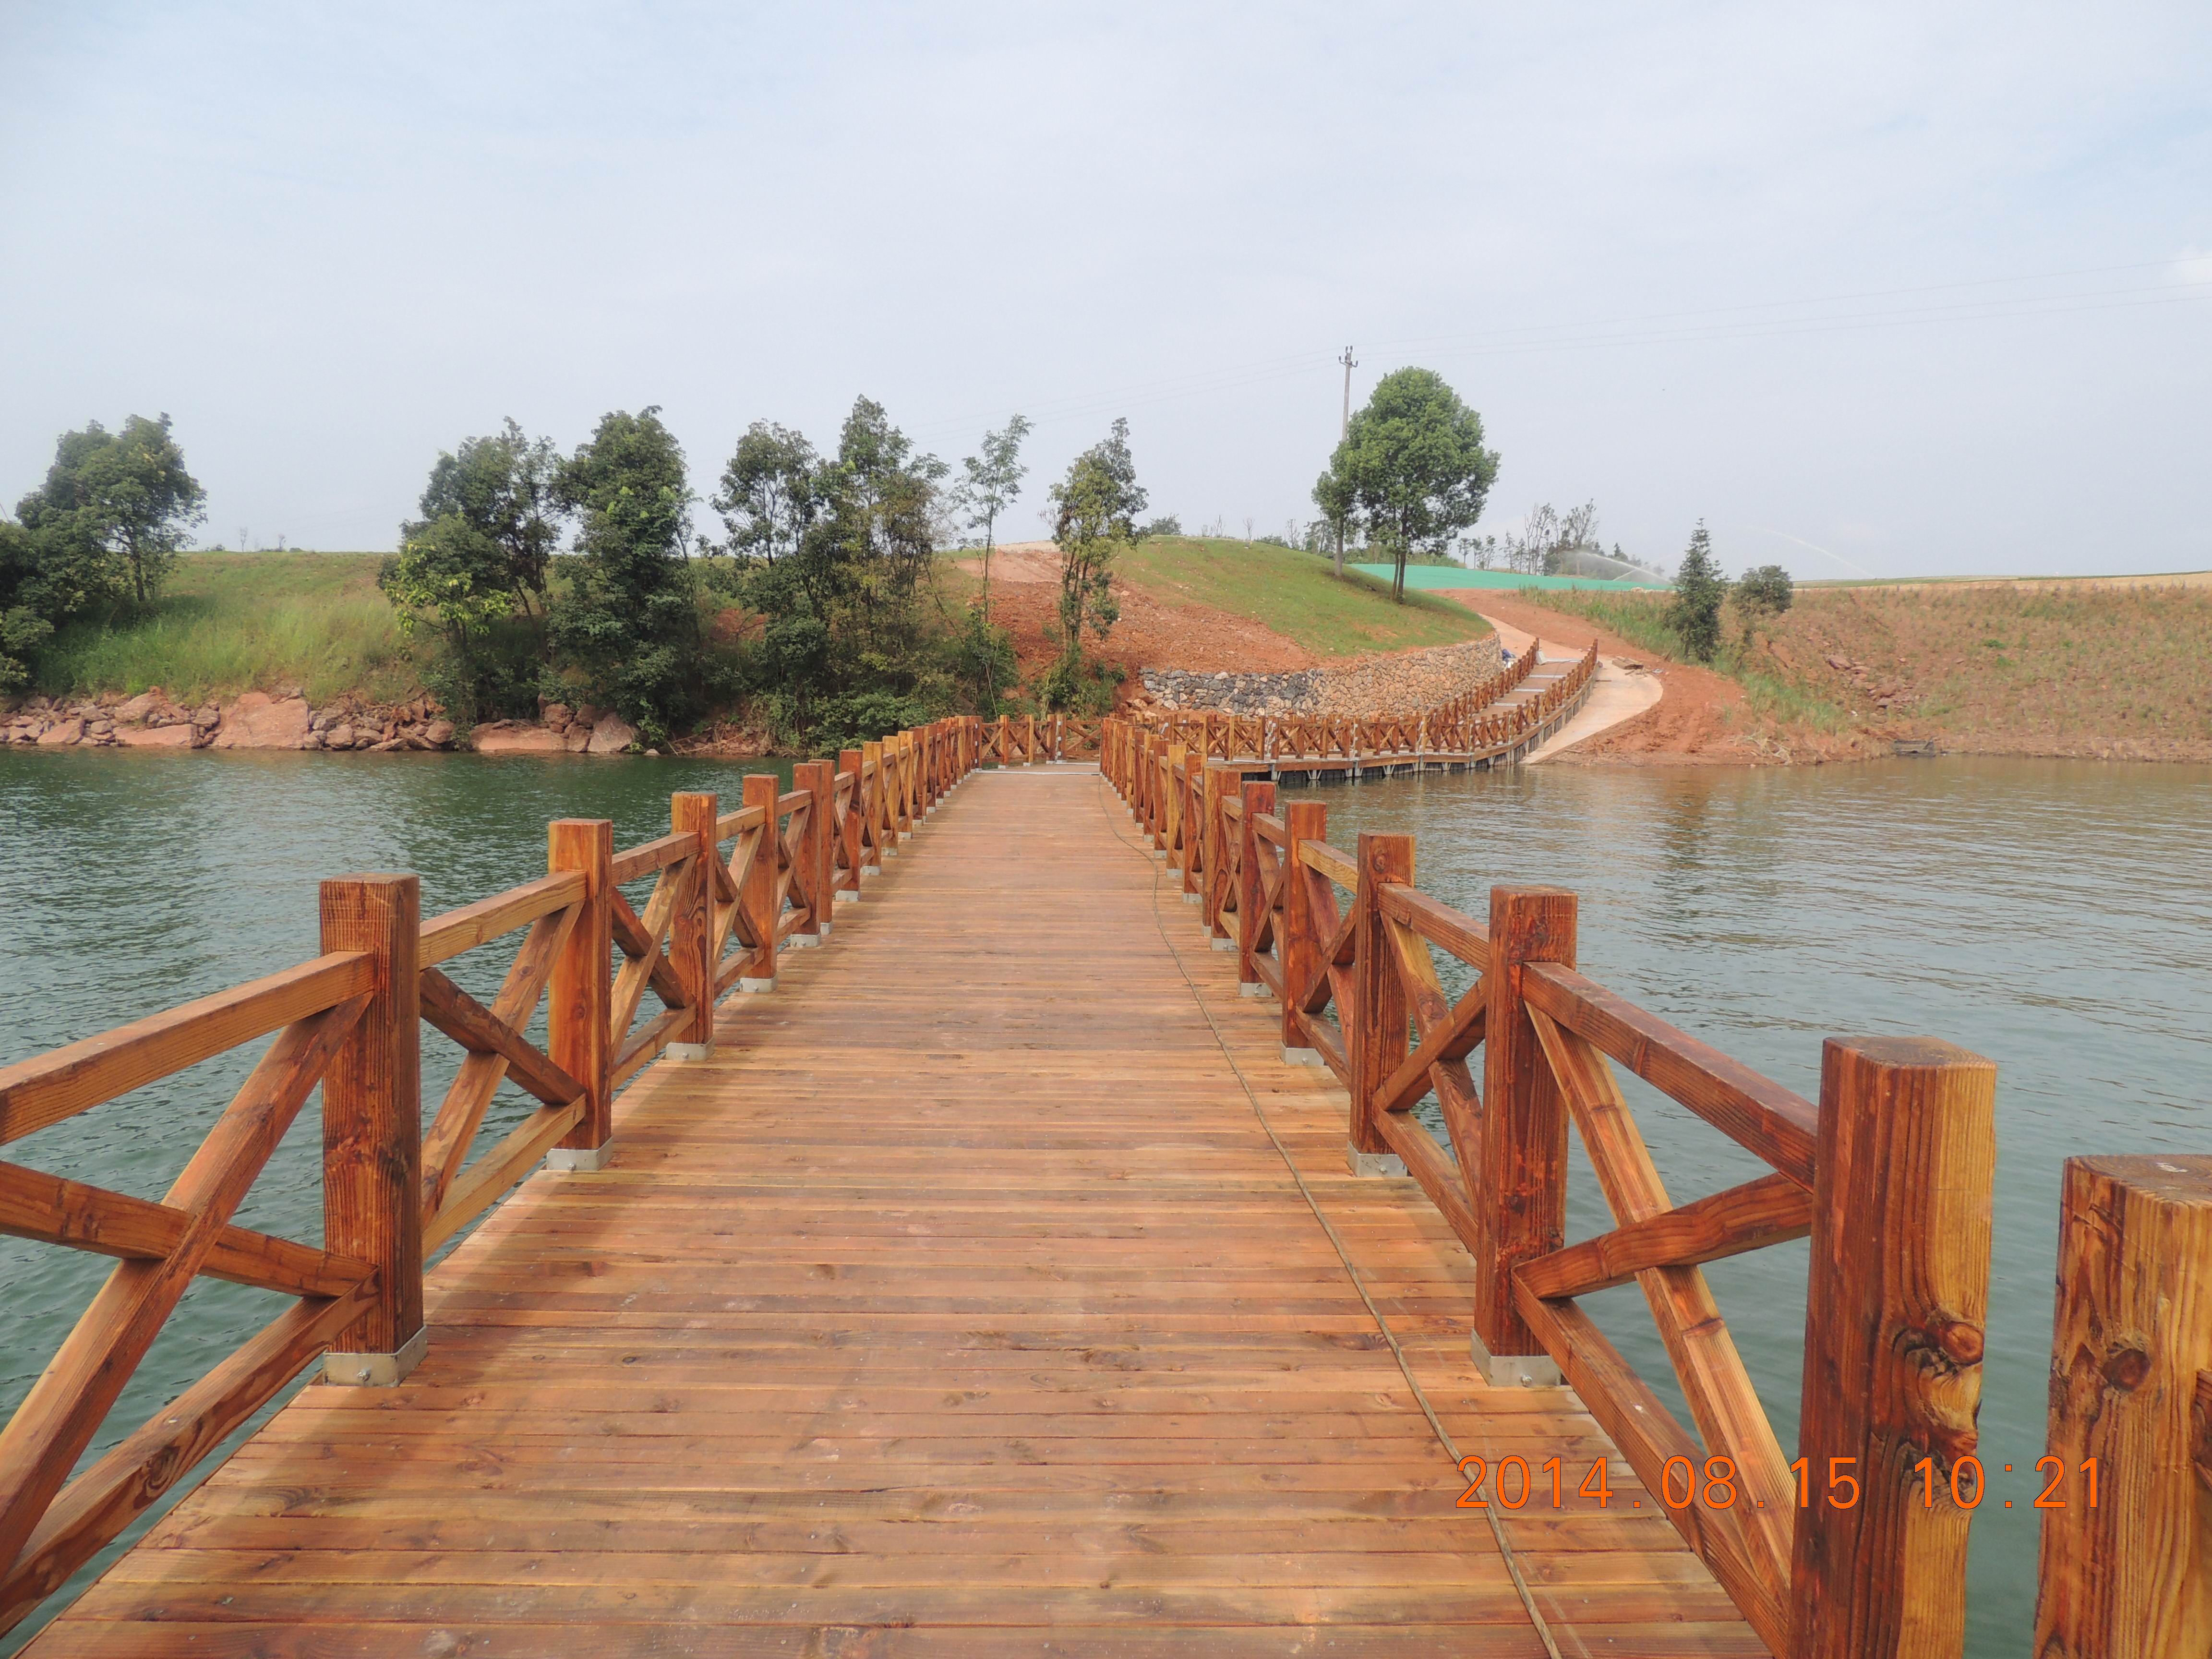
[(986, 1282)]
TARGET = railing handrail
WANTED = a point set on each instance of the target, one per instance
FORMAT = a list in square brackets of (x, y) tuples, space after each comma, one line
[(397, 1186), (1327, 931)]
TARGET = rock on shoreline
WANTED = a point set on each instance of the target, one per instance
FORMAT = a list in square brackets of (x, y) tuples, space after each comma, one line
[(260, 720), (1370, 685)]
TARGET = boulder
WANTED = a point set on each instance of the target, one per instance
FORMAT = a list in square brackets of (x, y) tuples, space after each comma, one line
[(135, 711), (440, 733), (154, 737), (62, 733), (612, 735), (515, 737), (577, 737), (339, 737), (257, 720), (558, 715), (207, 717)]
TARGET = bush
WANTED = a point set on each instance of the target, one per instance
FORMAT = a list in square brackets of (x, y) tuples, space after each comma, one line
[(847, 722)]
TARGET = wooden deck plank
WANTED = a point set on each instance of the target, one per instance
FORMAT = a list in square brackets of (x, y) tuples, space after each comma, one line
[(961, 1304)]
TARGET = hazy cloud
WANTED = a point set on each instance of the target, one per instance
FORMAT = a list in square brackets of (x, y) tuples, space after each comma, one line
[(1923, 287)]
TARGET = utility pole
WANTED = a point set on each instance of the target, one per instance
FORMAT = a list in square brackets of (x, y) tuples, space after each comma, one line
[(1344, 431)]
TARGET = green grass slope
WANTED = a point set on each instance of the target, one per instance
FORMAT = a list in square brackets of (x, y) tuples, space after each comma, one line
[(244, 621), (1296, 594)]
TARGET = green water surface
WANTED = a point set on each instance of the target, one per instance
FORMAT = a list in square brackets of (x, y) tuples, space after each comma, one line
[(2055, 916)]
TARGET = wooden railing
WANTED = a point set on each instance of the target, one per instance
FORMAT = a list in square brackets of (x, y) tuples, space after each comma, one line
[(1853, 1548), (393, 1190), (1141, 754), (1033, 740)]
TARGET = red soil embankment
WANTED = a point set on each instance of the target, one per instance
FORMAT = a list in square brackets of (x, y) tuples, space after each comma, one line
[(1689, 725), (1025, 598)]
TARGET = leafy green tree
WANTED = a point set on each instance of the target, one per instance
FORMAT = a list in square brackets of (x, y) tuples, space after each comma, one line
[(991, 483), (119, 503), (24, 626), (841, 586), (1695, 614), (501, 488), (1097, 505), (1760, 595), (1167, 524), (630, 619), (771, 493), (1768, 590), (447, 571), (1412, 473)]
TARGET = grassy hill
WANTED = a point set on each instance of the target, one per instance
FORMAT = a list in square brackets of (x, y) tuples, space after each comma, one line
[(246, 622), (2032, 667), (239, 622), (1296, 594)]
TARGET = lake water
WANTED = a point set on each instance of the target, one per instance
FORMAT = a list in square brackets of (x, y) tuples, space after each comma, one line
[(2055, 916)]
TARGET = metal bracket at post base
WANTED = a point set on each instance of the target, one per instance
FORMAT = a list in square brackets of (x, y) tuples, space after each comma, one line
[(376, 1371), (1513, 1371), (685, 1051), (1301, 1056), (1373, 1164), (562, 1160)]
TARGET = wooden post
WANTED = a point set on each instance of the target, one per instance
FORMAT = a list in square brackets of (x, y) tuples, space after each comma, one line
[(1521, 1168), (757, 901), (1173, 778), (373, 1127), (868, 800), (817, 878), (576, 1038), (1896, 1306), (691, 934), (850, 831), (1303, 820), (1213, 849), (1029, 739), (2131, 1389), (1251, 895), (1192, 809), (1375, 1027)]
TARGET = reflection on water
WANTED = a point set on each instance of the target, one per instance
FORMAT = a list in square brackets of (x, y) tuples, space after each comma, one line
[(2056, 916), (131, 882)]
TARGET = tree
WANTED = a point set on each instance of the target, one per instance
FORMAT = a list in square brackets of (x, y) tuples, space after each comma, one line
[(1695, 615), (124, 499), (1412, 472), (442, 570), (24, 626), (992, 482), (840, 580), (1097, 505), (771, 492), (1763, 593), (630, 618), (501, 488)]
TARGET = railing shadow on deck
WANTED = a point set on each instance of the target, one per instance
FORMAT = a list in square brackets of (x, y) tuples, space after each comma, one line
[(396, 1187), (1857, 1546)]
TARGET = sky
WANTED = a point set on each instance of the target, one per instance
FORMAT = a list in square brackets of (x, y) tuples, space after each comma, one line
[(1879, 289)]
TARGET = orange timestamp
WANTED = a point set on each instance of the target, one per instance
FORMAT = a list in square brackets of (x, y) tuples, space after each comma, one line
[(1715, 1486)]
